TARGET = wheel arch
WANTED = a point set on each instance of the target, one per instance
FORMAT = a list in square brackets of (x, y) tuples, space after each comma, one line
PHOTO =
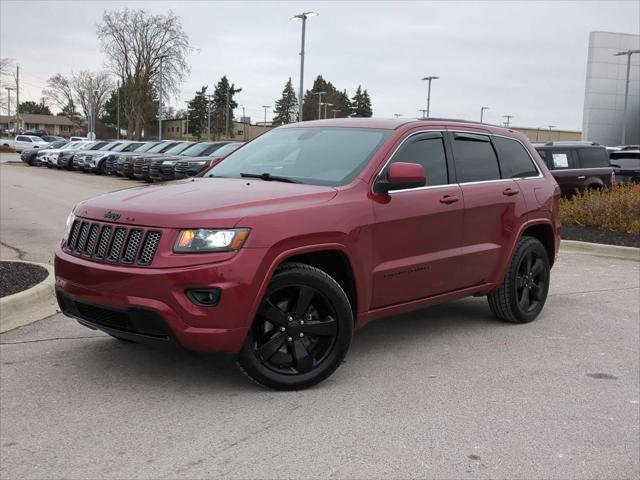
[(543, 232)]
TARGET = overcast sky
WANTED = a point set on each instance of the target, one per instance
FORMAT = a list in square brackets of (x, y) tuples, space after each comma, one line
[(526, 59)]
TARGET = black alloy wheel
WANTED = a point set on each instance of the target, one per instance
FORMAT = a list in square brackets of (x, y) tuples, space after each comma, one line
[(523, 293), (302, 330)]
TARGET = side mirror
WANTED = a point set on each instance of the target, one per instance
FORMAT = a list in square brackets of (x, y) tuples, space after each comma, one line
[(402, 175)]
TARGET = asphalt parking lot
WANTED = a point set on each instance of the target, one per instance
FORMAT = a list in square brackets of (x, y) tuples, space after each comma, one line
[(446, 392)]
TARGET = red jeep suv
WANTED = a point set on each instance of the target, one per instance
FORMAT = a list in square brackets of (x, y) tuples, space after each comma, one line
[(311, 231)]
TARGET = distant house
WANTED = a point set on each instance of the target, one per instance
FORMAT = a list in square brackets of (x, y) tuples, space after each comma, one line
[(52, 124)]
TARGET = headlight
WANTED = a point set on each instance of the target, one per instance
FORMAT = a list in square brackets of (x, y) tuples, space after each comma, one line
[(205, 240), (202, 162), (168, 162), (70, 219)]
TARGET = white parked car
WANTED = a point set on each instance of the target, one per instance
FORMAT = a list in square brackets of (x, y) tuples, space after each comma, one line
[(75, 139), (50, 158), (24, 142)]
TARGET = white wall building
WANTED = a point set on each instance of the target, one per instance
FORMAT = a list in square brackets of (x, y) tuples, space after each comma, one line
[(604, 91)]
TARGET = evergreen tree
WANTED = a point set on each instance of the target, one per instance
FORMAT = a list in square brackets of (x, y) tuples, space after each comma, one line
[(198, 113), (32, 107), (286, 110), (110, 113), (311, 100), (361, 104), (222, 108)]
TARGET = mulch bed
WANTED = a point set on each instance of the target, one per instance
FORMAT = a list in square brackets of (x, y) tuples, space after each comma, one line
[(595, 235), (16, 277)]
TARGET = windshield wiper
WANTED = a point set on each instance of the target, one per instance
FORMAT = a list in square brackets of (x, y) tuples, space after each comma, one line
[(268, 177)]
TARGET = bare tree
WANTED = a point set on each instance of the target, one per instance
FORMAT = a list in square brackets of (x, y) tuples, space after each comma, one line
[(6, 80), (83, 82), (135, 43), (59, 93)]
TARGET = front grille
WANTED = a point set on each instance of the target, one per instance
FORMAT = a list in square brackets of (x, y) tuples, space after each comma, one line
[(181, 167), (116, 244)]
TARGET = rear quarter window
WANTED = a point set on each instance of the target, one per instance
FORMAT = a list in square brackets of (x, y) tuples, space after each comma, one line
[(515, 161), (593, 158), (475, 158)]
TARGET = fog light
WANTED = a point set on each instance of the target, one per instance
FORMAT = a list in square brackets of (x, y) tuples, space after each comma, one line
[(204, 297)]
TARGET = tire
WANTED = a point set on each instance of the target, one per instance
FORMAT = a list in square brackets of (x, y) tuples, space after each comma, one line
[(102, 168), (276, 352), (523, 293)]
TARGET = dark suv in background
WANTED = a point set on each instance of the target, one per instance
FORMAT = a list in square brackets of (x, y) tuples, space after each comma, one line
[(577, 166), (626, 164)]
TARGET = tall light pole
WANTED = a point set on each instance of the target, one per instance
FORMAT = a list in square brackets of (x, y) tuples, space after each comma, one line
[(508, 122), (90, 130), (302, 16), (187, 102), (335, 111), (551, 127), (209, 97), (482, 109), (325, 108), (397, 115), (265, 113), (8, 89), (628, 53), (319, 103), (428, 79), (424, 111), (118, 114)]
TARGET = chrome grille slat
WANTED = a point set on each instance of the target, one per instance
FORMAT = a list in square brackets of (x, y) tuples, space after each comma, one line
[(104, 242), (149, 247), (131, 248), (116, 244), (93, 237), (82, 241)]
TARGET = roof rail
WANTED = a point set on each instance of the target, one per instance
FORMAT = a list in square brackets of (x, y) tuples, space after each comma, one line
[(462, 120), (571, 142)]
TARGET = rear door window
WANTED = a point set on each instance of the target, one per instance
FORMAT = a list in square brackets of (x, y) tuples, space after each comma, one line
[(593, 157), (474, 157), (426, 149), (515, 161)]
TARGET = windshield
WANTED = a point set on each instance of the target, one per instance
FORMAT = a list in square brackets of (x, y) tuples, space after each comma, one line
[(315, 155), (179, 148), (201, 149), (109, 146), (146, 147), (626, 162), (162, 147), (58, 144), (126, 147), (225, 150), (99, 145)]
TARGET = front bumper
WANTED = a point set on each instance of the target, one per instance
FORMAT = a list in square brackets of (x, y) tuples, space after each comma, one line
[(125, 289)]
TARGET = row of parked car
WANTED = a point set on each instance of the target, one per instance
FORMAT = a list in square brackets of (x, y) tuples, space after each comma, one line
[(150, 161), (589, 165)]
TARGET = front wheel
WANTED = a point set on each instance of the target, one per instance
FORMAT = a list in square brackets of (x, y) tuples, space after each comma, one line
[(301, 332), (524, 291)]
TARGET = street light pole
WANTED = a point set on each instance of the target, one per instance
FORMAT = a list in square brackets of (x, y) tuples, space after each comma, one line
[(118, 114), (551, 127), (302, 16), (160, 102), (8, 89), (187, 102), (508, 122), (423, 110), (325, 108), (482, 109), (397, 115), (428, 79), (628, 53), (209, 116), (319, 103), (335, 111), (265, 113)]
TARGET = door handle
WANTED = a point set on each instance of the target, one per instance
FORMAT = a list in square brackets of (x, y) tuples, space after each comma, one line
[(581, 177), (448, 199), (509, 192)]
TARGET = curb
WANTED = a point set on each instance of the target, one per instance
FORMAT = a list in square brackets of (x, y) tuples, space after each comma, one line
[(29, 305), (600, 249)]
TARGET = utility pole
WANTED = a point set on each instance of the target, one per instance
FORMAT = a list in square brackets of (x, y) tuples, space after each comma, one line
[(209, 96), (508, 122), (8, 89), (302, 16), (227, 116), (424, 111), (118, 109), (160, 103), (265, 113), (628, 53), (319, 103), (482, 109), (17, 97), (428, 79)]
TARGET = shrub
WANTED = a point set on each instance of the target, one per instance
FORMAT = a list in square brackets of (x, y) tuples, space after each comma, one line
[(616, 209), (6, 149)]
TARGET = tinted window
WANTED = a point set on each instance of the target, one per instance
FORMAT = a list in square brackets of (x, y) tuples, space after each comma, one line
[(515, 161), (475, 159), (23, 139), (559, 158), (131, 146), (593, 157), (428, 152)]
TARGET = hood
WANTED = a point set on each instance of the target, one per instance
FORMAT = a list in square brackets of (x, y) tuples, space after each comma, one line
[(202, 202)]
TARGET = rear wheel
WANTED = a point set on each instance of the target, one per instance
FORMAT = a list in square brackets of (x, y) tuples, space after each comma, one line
[(301, 332), (523, 293)]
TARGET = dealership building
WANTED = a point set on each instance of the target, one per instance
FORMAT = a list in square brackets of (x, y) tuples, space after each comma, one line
[(603, 115)]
